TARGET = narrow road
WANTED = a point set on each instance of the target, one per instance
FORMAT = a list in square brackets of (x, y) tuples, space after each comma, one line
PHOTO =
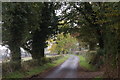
[(67, 70), (70, 69)]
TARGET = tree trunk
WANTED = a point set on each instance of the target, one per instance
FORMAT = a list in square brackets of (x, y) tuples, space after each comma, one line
[(91, 46), (15, 57), (119, 66), (101, 42), (100, 37), (40, 35), (118, 58), (42, 52), (37, 46)]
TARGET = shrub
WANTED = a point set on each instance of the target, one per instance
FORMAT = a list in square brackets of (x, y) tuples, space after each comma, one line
[(26, 65)]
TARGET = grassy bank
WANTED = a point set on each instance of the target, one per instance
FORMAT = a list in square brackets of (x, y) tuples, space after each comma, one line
[(84, 63), (36, 70)]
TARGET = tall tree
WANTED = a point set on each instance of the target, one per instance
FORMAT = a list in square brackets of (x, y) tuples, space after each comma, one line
[(45, 27), (14, 18)]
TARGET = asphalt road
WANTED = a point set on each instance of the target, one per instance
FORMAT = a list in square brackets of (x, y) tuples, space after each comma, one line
[(66, 70)]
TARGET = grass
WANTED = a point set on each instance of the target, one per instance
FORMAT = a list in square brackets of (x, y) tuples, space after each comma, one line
[(30, 58), (36, 70), (49, 56), (26, 58), (98, 78), (85, 64)]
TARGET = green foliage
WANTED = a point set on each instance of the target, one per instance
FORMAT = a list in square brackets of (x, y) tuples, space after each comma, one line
[(15, 21), (63, 43), (98, 23), (98, 78), (29, 25), (30, 21), (85, 64)]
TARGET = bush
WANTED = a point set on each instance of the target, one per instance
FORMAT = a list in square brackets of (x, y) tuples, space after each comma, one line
[(97, 58), (9, 67), (45, 60), (90, 55), (26, 65)]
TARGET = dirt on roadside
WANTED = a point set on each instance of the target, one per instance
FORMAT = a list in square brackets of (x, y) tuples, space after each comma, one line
[(84, 73)]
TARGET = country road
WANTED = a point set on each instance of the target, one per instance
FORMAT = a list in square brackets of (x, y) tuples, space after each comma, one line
[(67, 70)]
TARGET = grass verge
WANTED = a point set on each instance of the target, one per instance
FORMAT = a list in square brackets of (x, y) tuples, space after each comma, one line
[(36, 70), (97, 78), (85, 64)]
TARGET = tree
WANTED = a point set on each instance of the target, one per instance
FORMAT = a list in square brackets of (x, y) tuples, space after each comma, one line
[(112, 56), (45, 27), (63, 44), (84, 21), (15, 20), (32, 23)]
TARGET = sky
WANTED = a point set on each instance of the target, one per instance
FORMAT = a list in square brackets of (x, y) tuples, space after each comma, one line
[(59, 12), (3, 50), (2, 47)]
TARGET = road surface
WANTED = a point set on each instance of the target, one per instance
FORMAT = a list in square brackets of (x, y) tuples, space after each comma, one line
[(69, 69), (66, 70)]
